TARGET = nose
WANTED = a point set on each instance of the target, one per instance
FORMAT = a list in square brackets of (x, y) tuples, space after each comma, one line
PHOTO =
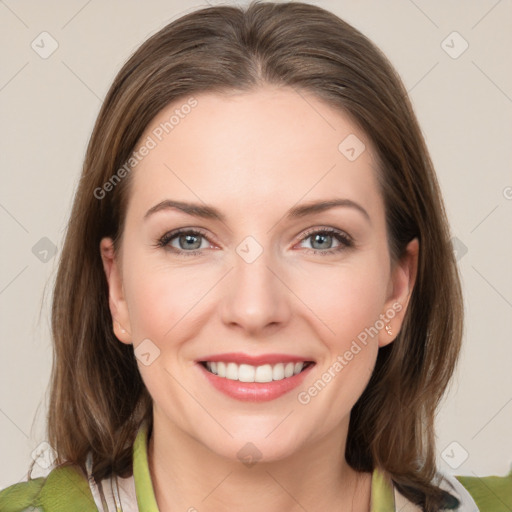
[(256, 299)]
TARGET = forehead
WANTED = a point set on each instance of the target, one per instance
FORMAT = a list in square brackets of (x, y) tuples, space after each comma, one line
[(247, 150)]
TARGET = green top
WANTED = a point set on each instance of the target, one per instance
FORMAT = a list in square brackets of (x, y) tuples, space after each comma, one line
[(143, 485), (66, 488)]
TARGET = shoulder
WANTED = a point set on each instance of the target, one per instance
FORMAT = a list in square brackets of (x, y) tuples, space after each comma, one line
[(474, 494), (64, 488), (491, 493), (19, 496)]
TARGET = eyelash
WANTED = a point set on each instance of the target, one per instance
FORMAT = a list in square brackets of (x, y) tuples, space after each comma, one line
[(345, 241)]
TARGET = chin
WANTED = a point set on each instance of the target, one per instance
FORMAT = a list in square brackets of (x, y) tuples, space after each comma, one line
[(251, 449)]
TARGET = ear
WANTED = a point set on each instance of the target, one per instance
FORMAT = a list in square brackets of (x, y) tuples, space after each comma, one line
[(116, 300), (401, 283)]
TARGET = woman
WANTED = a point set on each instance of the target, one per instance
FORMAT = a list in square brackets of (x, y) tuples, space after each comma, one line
[(253, 370)]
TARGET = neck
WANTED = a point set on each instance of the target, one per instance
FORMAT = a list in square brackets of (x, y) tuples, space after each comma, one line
[(186, 475)]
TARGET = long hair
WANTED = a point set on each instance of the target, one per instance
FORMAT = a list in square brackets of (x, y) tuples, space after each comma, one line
[(97, 397)]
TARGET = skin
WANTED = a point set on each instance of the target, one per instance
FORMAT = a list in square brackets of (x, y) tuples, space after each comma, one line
[(254, 156)]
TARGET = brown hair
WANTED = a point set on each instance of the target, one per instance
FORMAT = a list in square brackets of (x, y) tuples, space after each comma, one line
[(98, 399)]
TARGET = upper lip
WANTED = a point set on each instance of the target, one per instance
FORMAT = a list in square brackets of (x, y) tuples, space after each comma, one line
[(240, 358)]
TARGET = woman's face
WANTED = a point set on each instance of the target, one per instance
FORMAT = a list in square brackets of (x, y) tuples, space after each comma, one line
[(259, 283)]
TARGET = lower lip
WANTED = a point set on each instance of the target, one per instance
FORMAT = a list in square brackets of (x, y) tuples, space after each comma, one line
[(255, 391)]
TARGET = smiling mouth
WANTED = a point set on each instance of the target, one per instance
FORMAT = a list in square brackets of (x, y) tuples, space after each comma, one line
[(249, 373)]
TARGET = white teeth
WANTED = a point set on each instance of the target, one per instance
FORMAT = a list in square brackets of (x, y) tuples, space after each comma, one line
[(288, 369), (263, 373), (232, 371), (278, 371), (249, 373), (246, 373)]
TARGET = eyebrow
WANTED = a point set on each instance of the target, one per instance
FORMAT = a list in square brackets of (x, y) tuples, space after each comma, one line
[(210, 212)]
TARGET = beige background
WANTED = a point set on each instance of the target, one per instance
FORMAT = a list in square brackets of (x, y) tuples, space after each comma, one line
[(464, 106)]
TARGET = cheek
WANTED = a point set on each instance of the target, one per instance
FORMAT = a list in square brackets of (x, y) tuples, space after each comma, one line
[(346, 308), (347, 298), (161, 298)]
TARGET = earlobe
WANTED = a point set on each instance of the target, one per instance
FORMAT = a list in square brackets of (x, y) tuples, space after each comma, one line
[(402, 283), (116, 299)]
